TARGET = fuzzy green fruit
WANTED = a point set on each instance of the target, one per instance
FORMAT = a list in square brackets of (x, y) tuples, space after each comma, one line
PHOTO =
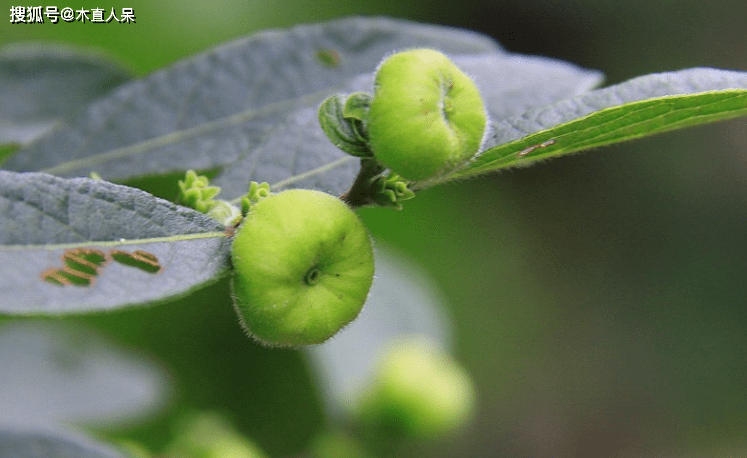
[(418, 391), (426, 117), (303, 266)]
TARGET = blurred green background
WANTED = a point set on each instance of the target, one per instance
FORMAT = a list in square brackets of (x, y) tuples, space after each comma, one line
[(599, 300)]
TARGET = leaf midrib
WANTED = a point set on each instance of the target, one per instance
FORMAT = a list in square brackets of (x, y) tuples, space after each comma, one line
[(589, 141), (176, 136), (116, 243)]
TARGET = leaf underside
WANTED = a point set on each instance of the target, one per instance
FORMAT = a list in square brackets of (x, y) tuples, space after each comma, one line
[(46, 442), (75, 228), (43, 84), (637, 108), (248, 109)]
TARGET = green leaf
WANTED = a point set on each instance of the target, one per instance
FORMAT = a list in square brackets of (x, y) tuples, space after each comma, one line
[(73, 245), (250, 107), (19, 441), (83, 377), (639, 107), (42, 84)]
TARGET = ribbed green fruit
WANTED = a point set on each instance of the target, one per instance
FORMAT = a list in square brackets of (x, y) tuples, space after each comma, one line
[(303, 266), (426, 117)]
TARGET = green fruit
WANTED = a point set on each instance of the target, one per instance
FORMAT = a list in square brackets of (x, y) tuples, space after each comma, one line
[(208, 435), (303, 267), (426, 117), (418, 391)]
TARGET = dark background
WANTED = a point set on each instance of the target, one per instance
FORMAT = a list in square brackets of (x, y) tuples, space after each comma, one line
[(599, 299)]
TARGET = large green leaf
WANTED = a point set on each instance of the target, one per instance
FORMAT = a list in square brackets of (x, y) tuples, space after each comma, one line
[(135, 248), (249, 107), (639, 107), (42, 84)]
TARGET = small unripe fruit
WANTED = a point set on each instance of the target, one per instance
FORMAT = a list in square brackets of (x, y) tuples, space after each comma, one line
[(208, 435), (426, 117), (303, 266), (418, 391)]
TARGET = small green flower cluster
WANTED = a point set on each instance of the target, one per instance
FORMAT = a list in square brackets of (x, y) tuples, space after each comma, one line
[(195, 192), (390, 190), (257, 192)]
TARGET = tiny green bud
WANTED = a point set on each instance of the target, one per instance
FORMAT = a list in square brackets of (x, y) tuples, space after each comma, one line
[(355, 112), (257, 192), (303, 266), (341, 119), (426, 117), (418, 391), (195, 192), (391, 191)]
